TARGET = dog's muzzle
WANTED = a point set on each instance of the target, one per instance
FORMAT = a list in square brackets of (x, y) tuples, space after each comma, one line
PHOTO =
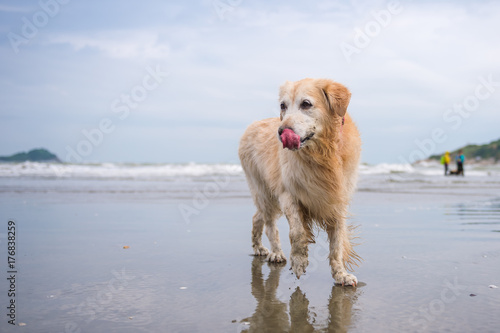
[(291, 140)]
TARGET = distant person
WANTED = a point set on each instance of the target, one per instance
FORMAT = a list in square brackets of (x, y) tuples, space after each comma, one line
[(460, 163), (445, 160)]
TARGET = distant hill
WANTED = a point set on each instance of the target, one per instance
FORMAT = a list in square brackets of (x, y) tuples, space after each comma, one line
[(35, 155), (490, 151)]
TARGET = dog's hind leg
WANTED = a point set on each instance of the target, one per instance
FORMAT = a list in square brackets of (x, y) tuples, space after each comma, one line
[(258, 227), (267, 219), (272, 233), (298, 235)]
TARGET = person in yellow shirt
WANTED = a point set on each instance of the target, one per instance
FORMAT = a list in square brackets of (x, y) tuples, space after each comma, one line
[(445, 160)]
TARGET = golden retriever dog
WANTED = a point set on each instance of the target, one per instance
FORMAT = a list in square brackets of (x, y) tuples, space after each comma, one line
[(304, 165)]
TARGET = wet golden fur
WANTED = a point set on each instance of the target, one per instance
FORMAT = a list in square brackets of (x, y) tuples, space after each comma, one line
[(311, 185)]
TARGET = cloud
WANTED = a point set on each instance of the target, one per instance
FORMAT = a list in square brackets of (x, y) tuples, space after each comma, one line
[(227, 71), (121, 44)]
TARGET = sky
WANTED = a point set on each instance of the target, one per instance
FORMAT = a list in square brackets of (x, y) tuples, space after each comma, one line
[(179, 81)]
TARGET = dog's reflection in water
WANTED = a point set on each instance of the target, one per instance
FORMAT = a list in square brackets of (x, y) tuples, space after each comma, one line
[(273, 315)]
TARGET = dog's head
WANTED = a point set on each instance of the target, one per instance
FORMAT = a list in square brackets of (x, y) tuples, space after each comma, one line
[(309, 108)]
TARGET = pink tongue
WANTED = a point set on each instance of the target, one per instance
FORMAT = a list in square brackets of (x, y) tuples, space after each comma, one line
[(290, 139)]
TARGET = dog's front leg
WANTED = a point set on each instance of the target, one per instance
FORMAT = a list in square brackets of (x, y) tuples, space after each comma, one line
[(298, 238), (340, 250)]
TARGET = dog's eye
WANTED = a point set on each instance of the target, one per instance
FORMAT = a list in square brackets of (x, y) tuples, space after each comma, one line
[(283, 107), (306, 104)]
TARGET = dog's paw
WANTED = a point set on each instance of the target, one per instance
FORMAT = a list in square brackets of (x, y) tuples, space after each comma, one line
[(276, 257), (345, 279), (260, 250), (299, 264)]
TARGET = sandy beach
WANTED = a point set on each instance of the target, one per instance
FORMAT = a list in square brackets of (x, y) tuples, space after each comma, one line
[(129, 250)]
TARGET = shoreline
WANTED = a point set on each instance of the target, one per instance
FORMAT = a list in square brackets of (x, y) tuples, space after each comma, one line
[(105, 255)]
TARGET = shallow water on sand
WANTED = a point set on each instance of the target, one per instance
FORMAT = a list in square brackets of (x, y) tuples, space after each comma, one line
[(430, 248)]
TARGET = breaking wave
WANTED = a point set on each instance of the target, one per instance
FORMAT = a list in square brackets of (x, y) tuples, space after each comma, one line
[(193, 170)]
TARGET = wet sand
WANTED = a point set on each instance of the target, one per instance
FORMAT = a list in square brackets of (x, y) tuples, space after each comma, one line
[(430, 254)]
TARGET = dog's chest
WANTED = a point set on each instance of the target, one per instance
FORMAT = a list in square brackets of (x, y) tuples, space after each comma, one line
[(310, 188)]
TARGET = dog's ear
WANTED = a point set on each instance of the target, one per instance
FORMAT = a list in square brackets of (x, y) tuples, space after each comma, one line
[(337, 97)]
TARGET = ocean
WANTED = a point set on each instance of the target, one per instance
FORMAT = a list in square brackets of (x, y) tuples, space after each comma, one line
[(181, 181), (166, 248)]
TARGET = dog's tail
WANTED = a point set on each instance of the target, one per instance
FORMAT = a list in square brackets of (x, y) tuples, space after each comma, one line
[(351, 258)]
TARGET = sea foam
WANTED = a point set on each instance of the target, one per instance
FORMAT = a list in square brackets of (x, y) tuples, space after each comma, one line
[(190, 170)]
